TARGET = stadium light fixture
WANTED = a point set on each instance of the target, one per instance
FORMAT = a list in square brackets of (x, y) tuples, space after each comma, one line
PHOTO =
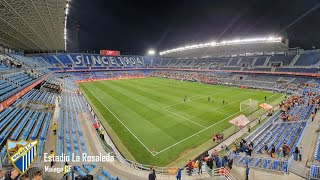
[(151, 52), (65, 25), (270, 39)]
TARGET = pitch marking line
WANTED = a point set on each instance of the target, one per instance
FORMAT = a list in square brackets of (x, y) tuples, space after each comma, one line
[(202, 96), (121, 122), (184, 118), (215, 109), (221, 112), (201, 131)]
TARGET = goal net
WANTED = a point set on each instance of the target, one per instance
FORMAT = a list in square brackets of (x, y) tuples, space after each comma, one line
[(248, 106)]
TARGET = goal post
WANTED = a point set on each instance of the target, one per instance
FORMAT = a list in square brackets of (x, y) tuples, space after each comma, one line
[(249, 106)]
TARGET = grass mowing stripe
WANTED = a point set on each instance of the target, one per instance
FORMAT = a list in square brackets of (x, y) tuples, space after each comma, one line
[(152, 107), (130, 101), (121, 122), (199, 132), (184, 118), (202, 96), (140, 125)]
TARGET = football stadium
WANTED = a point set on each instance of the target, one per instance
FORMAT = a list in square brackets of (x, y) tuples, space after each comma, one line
[(237, 107)]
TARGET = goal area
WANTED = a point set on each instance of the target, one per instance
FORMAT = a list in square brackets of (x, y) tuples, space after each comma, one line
[(249, 106)]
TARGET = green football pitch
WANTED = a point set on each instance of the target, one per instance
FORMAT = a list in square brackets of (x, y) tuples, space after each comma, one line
[(149, 120)]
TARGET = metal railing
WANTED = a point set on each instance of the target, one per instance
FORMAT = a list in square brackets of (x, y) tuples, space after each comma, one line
[(314, 172), (222, 172), (262, 163)]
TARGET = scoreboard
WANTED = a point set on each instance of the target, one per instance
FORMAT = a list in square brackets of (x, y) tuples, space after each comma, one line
[(109, 53)]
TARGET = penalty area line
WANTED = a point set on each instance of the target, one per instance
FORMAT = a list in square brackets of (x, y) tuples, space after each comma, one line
[(190, 100), (121, 122), (201, 131), (184, 118)]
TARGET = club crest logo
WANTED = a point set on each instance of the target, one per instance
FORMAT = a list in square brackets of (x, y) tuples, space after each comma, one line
[(22, 154)]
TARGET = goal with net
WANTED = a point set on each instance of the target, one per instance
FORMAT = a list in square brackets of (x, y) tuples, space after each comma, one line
[(248, 106)]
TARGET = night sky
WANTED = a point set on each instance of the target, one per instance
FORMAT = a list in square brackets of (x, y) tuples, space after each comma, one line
[(133, 26)]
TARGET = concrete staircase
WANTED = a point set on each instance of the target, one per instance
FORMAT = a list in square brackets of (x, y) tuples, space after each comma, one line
[(55, 57), (238, 62), (267, 61), (229, 61), (254, 61), (73, 63), (299, 170), (295, 59)]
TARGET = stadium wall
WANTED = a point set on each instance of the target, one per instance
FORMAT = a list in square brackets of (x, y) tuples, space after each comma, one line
[(193, 70)]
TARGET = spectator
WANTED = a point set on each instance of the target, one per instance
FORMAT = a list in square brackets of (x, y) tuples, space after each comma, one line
[(178, 174), (272, 151), (154, 172), (66, 170), (250, 150), (217, 161), (234, 148), (300, 153), (151, 175), (284, 147), (313, 115), (215, 152), (210, 162), (51, 155), (241, 145), (200, 166), (189, 167), (296, 154), (251, 144), (223, 161), (247, 172), (230, 162), (54, 129), (101, 134), (195, 165), (266, 148)]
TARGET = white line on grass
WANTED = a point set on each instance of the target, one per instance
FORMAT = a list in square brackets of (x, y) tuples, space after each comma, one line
[(221, 112), (121, 122), (195, 134), (202, 96), (215, 109), (201, 131), (184, 118)]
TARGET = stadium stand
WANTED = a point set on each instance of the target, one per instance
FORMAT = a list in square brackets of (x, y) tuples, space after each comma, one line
[(308, 59), (283, 59), (22, 121)]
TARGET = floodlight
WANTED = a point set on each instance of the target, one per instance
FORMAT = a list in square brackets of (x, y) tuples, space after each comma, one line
[(151, 52)]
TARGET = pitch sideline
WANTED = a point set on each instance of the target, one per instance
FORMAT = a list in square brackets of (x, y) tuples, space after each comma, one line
[(201, 131), (120, 122)]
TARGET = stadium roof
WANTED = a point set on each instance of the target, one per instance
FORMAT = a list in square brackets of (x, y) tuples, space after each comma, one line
[(232, 47), (33, 25)]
